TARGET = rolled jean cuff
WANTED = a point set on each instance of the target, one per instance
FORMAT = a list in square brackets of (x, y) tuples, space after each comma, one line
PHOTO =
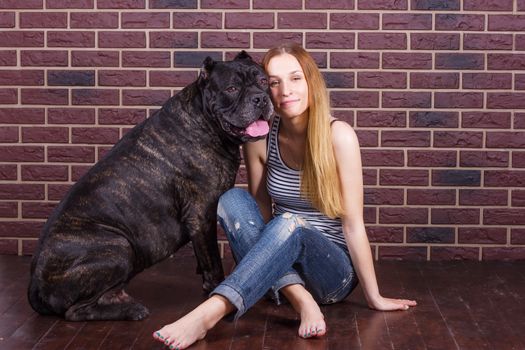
[(233, 296), (286, 280)]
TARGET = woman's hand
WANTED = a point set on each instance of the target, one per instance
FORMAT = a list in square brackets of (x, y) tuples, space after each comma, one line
[(388, 304)]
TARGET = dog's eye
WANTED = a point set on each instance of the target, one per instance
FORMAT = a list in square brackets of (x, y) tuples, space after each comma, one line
[(232, 89), (263, 82)]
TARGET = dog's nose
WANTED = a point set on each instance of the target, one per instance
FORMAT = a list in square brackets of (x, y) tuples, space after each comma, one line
[(260, 101)]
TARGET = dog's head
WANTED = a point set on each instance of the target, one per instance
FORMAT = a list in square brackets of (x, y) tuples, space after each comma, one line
[(235, 93)]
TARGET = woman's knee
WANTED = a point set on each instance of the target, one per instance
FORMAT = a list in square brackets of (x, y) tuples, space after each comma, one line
[(289, 224), (231, 200)]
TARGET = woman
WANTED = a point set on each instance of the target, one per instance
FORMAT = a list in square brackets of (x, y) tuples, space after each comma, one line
[(311, 247)]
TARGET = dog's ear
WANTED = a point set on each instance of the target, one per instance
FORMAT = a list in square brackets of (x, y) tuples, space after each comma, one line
[(243, 55), (206, 68)]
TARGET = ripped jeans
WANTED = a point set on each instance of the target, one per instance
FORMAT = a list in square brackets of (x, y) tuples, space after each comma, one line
[(271, 256)]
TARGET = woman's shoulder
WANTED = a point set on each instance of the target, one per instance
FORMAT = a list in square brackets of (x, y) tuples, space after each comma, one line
[(343, 134)]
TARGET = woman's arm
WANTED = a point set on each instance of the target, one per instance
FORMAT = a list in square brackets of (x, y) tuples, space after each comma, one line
[(348, 159), (255, 161)]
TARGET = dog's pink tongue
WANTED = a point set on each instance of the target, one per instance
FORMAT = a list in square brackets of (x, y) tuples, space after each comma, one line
[(258, 128)]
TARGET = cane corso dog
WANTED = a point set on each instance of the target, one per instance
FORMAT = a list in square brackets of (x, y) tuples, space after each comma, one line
[(156, 190)]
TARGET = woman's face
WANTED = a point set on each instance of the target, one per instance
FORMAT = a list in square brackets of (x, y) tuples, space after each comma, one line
[(288, 85)]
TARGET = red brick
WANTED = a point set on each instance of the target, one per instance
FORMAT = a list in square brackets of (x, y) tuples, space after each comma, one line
[(7, 20), (503, 253), (278, 4), (44, 173), (70, 78), (519, 120), (8, 172), (22, 115), (339, 79), (378, 41), (355, 99), (69, 4), (407, 60), (370, 177), (486, 120), (432, 158), (368, 138), (71, 116), (194, 59), (383, 196), (388, 80), (521, 5), (173, 39), (519, 81), (8, 246), (173, 4), (460, 61), (518, 159), (8, 134), (45, 96), (453, 253), (381, 118), (24, 38), (332, 40), (256, 20), (431, 197), (197, 20), (95, 20), (433, 119), (44, 58), (505, 61), (225, 39), (8, 209), (448, 216), (71, 39), (43, 20), (145, 20), (517, 236), (20, 228), (385, 234), (171, 78), (354, 21), (460, 22), (434, 41), (403, 177), (479, 197), (458, 139), (484, 159), (22, 191), (382, 157), (407, 21), (37, 210), (505, 100), (345, 115), (382, 5), (518, 198), (487, 81), (95, 135), (70, 154), (122, 78), (8, 96), (332, 4), (22, 77), (446, 5), (121, 39), (302, 20), (482, 235), (430, 235), (405, 215), (458, 100), (504, 178), (128, 116), (271, 39), (354, 60), (434, 80), (406, 99), (488, 5), (487, 41), (511, 23), (95, 97), (503, 216), (402, 253), (500, 139), (121, 4), (17, 4), (405, 138), (145, 97), (8, 58), (45, 134), (57, 191), (78, 171), (456, 178), (520, 42), (95, 58)]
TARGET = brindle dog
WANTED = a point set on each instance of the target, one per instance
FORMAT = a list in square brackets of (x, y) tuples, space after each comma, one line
[(156, 190)]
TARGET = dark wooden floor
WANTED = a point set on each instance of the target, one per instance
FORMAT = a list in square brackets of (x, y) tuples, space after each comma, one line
[(461, 306)]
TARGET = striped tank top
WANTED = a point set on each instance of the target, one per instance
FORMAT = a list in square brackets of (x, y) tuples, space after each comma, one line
[(284, 187)]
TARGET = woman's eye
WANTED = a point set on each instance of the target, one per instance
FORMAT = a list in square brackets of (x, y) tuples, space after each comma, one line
[(274, 83), (231, 89)]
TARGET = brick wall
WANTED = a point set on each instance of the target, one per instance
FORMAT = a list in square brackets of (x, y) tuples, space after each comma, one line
[(435, 90)]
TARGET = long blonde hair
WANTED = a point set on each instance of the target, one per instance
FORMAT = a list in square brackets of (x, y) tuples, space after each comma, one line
[(319, 178)]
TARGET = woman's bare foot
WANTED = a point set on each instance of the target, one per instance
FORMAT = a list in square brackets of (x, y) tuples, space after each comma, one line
[(312, 319), (193, 327)]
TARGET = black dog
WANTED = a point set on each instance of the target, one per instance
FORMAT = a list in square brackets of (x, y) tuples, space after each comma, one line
[(155, 191)]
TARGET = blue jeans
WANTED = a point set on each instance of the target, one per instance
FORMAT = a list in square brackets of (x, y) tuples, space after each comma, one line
[(271, 256)]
